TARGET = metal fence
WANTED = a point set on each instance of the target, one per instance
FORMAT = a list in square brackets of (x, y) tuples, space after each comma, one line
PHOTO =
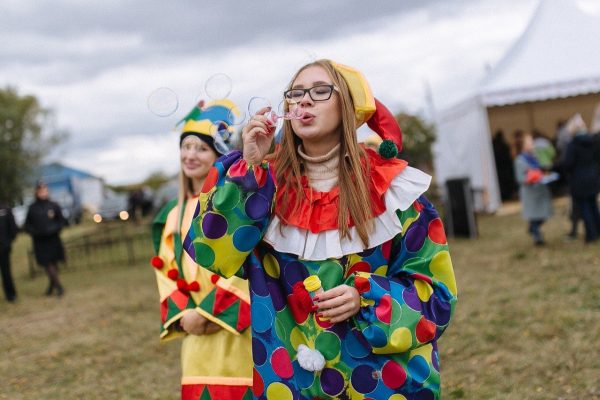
[(111, 244)]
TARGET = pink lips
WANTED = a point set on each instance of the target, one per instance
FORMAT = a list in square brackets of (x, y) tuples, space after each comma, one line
[(307, 118)]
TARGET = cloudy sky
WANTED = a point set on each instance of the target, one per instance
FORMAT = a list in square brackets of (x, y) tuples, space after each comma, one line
[(96, 63)]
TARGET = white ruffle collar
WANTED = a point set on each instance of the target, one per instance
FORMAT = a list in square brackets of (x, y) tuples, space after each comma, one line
[(404, 189)]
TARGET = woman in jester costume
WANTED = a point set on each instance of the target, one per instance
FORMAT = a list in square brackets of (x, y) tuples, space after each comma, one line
[(213, 313), (351, 282)]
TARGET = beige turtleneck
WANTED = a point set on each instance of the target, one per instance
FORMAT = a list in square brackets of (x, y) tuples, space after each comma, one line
[(322, 171)]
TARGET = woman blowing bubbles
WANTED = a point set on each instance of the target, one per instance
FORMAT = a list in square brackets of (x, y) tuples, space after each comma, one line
[(350, 277)]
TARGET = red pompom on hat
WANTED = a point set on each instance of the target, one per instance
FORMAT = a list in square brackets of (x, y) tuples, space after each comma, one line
[(214, 279), (386, 126), (157, 262), (194, 286)]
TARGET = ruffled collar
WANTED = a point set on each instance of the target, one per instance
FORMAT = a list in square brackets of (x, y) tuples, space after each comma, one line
[(318, 211), (403, 191)]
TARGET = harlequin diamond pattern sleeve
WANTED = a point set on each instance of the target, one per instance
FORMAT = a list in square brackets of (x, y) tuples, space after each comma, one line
[(412, 304), (173, 302), (239, 200), (225, 302)]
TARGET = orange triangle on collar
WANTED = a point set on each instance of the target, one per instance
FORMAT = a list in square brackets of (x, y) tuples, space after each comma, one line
[(318, 211)]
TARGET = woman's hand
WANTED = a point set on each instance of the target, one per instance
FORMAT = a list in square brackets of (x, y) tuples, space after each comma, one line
[(195, 324), (339, 304), (258, 137)]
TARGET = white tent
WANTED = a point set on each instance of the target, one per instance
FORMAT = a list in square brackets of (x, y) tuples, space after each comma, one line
[(556, 58)]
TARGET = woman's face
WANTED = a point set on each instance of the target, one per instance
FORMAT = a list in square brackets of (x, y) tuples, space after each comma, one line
[(321, 119), (528, 143), (42, 192), (196, 157)]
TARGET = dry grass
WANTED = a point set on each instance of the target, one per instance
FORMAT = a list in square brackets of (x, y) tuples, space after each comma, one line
[(527, 325), (100, 341)]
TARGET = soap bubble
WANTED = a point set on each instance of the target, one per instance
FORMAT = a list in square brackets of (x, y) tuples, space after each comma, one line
[(163, 102), (256, 104), (237, 117), (218, 86)]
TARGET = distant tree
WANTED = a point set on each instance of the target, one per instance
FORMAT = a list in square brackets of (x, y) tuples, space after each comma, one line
[(26, 135), (417, 138), (155, 180)]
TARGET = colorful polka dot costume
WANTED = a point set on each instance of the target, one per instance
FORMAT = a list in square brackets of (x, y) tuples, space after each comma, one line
[(386, 351)]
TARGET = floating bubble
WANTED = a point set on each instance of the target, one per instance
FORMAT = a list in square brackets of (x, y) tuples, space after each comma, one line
[(221, 134), (281, 108), (236, 117), (256, 104), (218, 86), (163, 102)]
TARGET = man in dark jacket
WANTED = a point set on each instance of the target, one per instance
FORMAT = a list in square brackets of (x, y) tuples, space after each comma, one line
[(581, 162), (8, 232)]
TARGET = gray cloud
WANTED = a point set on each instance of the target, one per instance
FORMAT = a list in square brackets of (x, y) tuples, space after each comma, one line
[(95, 63), (180, 27)]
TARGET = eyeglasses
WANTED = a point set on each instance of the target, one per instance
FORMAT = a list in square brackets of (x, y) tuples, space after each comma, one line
[(316, 93)]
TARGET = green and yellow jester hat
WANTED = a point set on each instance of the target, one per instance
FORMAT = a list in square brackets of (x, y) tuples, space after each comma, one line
[(211, 123)]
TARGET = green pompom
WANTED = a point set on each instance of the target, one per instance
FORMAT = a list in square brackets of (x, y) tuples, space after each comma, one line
[(388, 149)]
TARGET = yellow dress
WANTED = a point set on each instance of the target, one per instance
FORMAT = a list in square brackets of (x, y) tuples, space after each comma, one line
[(216, 366)]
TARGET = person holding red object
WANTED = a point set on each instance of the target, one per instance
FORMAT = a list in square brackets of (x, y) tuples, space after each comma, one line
[(535, 196)]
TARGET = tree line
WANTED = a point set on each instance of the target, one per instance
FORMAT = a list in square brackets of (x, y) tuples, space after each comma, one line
[(27, 133)]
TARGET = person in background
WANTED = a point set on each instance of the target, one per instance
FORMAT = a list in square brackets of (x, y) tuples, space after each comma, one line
[(595, 125), (350, 274), (536, 199), (595, 130), (544, 150), (562, 138), (8, 232), (44, 222), (211, 313), (504, 166), (581, 163)]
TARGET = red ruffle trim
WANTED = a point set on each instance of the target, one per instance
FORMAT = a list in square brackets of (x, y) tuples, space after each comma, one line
[(318, 211)]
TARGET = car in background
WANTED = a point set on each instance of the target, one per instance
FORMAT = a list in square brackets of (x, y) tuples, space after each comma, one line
[(113, 207), (69, 202), (20, 213)]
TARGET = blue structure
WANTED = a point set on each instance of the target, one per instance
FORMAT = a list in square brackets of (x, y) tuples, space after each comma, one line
[(63, 187)]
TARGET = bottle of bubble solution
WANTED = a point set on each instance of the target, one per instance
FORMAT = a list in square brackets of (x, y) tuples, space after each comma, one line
[(313, 285)]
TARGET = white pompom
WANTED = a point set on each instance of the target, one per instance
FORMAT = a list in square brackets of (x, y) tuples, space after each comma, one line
[(309, 359)]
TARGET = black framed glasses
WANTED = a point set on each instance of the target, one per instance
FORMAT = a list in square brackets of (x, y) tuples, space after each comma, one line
[(316, 93)]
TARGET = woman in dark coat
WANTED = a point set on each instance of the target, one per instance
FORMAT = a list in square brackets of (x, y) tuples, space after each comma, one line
[(44, 222), (581, 162)]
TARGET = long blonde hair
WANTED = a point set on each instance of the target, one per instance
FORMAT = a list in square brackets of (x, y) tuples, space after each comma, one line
[(185, 190), (354, 168)]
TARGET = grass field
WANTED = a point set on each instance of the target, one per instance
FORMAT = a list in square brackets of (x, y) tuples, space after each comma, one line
[(527, 325)]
